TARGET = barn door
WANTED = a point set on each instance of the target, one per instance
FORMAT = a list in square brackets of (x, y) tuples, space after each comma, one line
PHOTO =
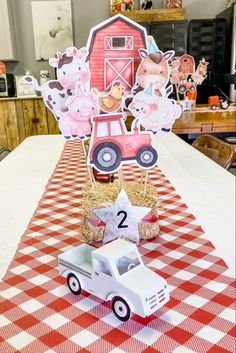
[(119, 70)]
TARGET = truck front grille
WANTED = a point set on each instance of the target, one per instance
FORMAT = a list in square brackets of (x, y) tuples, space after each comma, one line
[(156, 299)]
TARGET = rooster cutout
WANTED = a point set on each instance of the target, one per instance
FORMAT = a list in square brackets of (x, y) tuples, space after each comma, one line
[(111, 102)]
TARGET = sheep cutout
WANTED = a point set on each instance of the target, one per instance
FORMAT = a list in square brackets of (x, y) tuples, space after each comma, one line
[(152, 112)]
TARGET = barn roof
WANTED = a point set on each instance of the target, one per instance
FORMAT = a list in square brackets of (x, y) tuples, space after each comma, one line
[(109, 21)]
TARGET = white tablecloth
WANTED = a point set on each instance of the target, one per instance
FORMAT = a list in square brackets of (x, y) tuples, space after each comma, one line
[(207, 189)]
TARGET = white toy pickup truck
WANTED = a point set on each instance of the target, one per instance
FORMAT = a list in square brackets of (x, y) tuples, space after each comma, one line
[(115, 272)]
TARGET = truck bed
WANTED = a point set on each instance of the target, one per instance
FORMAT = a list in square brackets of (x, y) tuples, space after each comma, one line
[(78, 259)]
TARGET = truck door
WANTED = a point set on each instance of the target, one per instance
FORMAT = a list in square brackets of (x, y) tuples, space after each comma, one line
[(103, 278)]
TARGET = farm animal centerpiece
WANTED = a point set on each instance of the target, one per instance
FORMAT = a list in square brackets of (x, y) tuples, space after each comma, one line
[(185, 78), (98, 113)]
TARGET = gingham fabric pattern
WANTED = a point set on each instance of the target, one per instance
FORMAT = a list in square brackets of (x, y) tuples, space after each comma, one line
[(39, 314)]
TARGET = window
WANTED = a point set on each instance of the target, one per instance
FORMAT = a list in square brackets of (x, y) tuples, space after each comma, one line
[(101, 266), (127, 263), (118, 43), (102, 130), (115, 128)]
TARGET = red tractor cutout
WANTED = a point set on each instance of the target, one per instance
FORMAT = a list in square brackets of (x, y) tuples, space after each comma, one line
[(111, 144)]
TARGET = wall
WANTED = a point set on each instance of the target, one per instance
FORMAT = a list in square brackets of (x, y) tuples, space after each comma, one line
[(86, 13)]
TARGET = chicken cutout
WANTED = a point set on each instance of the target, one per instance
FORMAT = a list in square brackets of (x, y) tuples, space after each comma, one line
[(111, 102)]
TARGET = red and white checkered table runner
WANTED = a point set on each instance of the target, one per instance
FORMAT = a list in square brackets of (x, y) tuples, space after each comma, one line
[(39, 314)]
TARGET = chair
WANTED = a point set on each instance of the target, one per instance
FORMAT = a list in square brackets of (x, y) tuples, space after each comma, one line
[(219, 151)]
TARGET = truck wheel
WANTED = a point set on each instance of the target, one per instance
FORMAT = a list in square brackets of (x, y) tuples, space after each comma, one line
[(182, 89), (121, 309), (224, 104), (146, 156), (107, 157), (74, 284)]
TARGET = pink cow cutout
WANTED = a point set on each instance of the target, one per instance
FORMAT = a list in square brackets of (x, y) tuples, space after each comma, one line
[(71, 68)]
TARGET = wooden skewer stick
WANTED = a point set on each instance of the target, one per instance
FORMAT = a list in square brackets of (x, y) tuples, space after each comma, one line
[(90, 172), (145, 184), (177, 93), (142, 172), (120, 178)]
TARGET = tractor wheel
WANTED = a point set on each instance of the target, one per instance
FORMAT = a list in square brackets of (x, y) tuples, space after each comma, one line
[(107, 157), (182, 89), (224, 104), (193, 88), (74, 284), (146, 156), (121, 309)]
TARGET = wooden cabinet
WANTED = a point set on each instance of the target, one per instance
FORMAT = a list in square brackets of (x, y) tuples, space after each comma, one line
[(8, 47), (20, 118)]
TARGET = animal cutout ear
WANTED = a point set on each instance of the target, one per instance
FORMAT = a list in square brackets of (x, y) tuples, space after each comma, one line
[(169, 54), (69, 101), (71, 51), (143, 53), (79, 89), (131, 106), (95, 94), (53, 62), (82, 53)]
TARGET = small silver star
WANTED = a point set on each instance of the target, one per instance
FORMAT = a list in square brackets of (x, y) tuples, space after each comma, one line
[(186, 104), (121, 218)]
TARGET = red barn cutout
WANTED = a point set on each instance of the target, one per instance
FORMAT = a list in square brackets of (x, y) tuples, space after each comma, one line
[(113, 48)]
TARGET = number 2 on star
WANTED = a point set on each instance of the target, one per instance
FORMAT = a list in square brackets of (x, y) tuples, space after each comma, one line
[(121, 224)]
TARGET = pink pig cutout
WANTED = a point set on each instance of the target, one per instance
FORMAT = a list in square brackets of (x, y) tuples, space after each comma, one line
[(76, 123), (71, 68)]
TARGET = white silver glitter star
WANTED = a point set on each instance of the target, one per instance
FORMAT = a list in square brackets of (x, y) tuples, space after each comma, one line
[(186, 104), (121, 218)]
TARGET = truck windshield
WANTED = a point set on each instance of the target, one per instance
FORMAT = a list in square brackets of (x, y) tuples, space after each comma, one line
[(127, 262)]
